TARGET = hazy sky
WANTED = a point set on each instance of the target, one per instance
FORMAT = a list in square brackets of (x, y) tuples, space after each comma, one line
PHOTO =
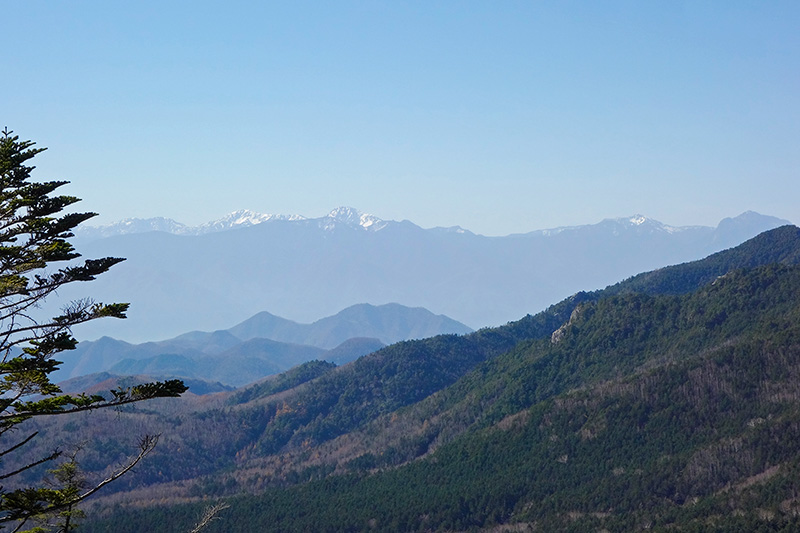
[(501, 117)]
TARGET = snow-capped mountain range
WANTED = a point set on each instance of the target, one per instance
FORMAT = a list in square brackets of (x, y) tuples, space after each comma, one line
[(635, 222), (178, 279), (238, 219), (350, 217)]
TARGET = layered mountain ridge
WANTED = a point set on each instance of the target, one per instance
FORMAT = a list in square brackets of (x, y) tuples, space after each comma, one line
[(354, 218), (304, 269), (242, 218), (262, 345)]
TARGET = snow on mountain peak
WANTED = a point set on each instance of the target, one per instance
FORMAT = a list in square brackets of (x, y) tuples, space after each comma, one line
[(131, 225), (635, 221), (238, 219), (643, 222), (241, 219), (353, 217), (348, 215)]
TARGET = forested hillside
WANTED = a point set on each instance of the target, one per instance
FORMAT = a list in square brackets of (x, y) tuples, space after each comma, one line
[(650, 411), (666, 399)]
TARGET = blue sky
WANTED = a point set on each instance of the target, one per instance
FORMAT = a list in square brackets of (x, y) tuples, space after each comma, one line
[(501, 117)]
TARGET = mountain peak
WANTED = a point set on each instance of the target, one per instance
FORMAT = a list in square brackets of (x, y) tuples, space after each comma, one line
[(637, 220), (355, 218), (752, 217)]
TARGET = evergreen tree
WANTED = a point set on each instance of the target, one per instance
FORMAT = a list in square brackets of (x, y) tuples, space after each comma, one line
[(33, 238)]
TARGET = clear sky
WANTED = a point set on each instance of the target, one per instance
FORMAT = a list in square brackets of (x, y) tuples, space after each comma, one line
[(500, 117)]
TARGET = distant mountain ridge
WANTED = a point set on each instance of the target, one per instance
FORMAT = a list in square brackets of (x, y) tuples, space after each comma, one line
[(354, 218), (637, 221), (238, 219), (263, 345), (306, 268), (389, 323)]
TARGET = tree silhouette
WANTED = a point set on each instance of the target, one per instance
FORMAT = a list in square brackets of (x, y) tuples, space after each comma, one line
[(35, 261)]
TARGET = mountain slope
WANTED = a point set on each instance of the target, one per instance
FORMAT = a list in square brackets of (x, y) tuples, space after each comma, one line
[(700, 427), (411, 398), (410, 372), (676, 407), (667, 411)]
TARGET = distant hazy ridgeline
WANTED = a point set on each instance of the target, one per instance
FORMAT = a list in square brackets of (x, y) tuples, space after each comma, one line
[(179, 279), (262, 345)]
